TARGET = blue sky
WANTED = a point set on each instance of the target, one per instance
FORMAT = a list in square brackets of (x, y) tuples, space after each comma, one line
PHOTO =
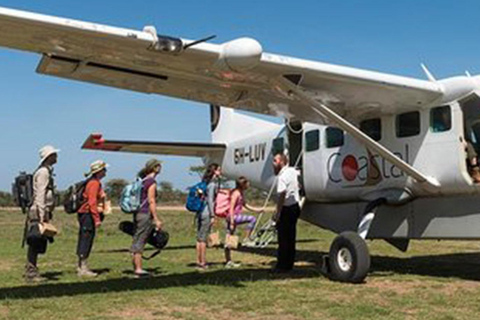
[(393, 37)]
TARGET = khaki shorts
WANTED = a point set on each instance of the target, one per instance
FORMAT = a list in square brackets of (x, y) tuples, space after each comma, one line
[(143, 228), (203, 225)]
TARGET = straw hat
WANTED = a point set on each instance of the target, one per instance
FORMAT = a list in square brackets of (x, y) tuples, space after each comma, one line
[(96, 166), (47, 151)]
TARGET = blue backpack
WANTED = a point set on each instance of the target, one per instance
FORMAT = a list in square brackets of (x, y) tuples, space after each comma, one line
[(196, 197), (130, 200)]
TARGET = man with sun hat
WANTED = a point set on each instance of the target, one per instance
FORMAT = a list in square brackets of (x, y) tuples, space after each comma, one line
[(42, 208)]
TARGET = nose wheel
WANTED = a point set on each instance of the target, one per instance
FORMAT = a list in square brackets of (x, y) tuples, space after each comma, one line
[(349, 259)]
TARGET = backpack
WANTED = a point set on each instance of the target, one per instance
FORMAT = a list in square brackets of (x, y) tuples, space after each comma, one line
[(222, 203), (74, 197), (131, 197), (22, 190), (196, 197)]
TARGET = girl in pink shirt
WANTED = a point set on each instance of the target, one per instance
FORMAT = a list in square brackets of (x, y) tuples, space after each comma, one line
[(236, 217)]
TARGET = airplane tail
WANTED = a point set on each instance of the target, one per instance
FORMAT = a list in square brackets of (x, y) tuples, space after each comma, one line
[(228, 125)]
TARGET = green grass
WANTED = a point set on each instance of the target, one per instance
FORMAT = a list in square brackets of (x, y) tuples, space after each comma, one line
[(434, 280)]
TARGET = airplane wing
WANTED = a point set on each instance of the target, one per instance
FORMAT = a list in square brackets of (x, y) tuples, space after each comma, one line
[(97, 142), (236, 74)]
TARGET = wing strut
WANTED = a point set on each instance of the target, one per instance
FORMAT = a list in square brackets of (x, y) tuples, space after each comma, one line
[(325, 112)]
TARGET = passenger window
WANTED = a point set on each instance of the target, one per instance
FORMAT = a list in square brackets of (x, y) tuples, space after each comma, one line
[(440, 119), (335, 137), (312, 140), (408, 124), (278, 146), (372, 128)]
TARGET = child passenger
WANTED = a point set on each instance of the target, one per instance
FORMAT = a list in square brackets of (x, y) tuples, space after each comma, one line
[(236, 217)]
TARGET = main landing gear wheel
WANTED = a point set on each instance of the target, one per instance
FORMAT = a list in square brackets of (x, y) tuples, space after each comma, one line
[(348, 258)]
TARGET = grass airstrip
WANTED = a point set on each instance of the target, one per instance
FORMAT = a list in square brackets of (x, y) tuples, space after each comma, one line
[(434, 280)]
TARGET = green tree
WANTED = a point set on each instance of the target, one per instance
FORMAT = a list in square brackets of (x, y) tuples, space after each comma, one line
[(114, 188), (168, 194), (6, 199), (165, 191), (197, 170)]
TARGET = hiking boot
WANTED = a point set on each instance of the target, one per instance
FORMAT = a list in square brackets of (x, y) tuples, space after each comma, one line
[(35, 279), (84, 271), (32, 274), (230, 265)]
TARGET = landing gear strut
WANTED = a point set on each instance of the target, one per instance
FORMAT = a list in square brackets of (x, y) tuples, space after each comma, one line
[(349, 259)]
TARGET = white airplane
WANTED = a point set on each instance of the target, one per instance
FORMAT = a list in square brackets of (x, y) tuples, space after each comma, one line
[(382, 156)]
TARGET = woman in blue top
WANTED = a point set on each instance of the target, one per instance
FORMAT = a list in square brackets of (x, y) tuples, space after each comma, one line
[(146, 219), (206, 217)]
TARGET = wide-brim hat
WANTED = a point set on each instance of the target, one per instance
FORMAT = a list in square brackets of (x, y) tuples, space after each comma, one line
[(152, 163), (97, 166), (46, 152), (149, 166)]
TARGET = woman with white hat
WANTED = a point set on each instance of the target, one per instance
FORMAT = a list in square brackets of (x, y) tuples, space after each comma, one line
[(89, 216), (42, 208)]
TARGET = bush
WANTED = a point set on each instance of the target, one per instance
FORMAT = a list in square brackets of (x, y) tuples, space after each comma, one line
[(114, 188), (6, 199)]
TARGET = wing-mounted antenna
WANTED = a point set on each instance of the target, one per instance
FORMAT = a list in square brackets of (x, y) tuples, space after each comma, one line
[(428, 73), (468, 74), (171, 44), (193, 43)]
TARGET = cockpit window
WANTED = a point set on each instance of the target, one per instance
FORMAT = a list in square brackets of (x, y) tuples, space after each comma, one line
[(335, 137), (278, 145), (440, 119), (408, 124), (312, 140)]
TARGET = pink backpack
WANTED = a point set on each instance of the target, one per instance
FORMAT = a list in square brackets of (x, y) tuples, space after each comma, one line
[(222, 203)]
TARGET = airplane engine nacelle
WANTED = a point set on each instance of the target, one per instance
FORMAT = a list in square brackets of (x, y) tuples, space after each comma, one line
[(241, 54)]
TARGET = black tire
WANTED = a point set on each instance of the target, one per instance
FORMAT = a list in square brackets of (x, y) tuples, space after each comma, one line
[(349, 259)]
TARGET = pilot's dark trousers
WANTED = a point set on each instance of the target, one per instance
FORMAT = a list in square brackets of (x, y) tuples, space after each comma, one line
[(287, 233)]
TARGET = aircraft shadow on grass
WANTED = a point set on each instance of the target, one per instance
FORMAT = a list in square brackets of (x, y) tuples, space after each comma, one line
[(458, 265), (464, 266)]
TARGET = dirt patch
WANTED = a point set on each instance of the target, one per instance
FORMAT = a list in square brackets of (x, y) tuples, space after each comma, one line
[(403, 287), (6, 265), (4, 311), (406, 287), (225, 314), (201, 311), (140, 313)]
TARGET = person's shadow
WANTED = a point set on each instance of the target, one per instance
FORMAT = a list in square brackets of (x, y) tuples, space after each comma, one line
[(222, 277)]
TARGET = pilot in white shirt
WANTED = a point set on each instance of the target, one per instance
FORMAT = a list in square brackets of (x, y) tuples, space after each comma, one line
[(288, 211)]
